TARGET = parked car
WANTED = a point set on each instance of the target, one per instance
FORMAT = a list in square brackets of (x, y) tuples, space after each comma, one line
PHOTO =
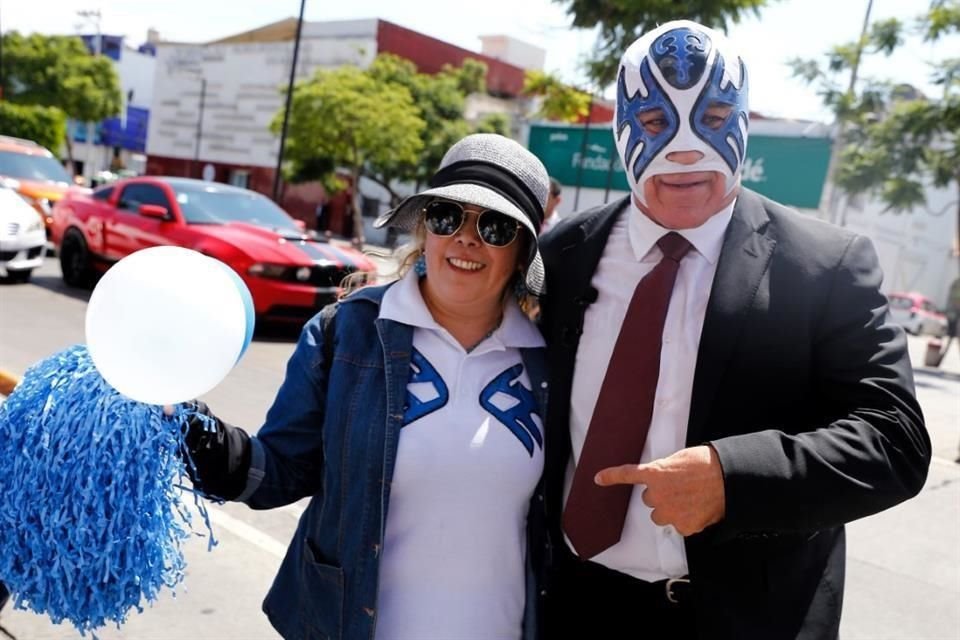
[(22, 237), (917, 314), (35, 173), (290, 272)]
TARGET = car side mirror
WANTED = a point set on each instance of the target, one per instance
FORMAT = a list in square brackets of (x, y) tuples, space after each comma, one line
[(154, 211)]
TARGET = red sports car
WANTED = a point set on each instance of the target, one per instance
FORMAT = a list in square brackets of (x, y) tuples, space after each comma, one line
[(291, 273)]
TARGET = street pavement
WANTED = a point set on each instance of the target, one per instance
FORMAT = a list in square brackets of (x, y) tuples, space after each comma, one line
[(903, 565)]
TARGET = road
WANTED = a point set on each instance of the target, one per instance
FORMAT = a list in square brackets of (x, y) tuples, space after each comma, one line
[(903, 568)]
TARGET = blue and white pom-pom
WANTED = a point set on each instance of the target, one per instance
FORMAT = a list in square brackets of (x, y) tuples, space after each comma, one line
[(92, 510)]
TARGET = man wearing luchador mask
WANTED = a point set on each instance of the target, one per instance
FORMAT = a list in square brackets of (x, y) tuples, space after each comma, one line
[(727, 390)]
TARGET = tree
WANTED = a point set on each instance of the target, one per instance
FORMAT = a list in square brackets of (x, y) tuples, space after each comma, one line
[(896, 140), (58, 71), (44, 125), (559, 101), (345, 117), (441, 99), (400, 122), (621, 22)]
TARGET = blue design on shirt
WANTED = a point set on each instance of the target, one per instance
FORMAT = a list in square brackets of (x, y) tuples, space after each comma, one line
[(518, 418), (422, 371)]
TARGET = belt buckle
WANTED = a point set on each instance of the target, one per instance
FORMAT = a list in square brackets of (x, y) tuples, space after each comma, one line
[(668, 588)]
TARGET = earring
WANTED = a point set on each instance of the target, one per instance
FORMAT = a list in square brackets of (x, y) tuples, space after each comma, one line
[(420, 266)]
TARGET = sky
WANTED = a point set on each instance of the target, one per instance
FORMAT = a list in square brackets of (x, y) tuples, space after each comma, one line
[(784, 29)]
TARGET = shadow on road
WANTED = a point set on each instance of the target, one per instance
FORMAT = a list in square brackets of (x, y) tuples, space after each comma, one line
[(277, 332), (939, 374), (56, 285)]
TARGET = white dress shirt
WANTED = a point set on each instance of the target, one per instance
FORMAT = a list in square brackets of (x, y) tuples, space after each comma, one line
[(645, 550), (454, 551)]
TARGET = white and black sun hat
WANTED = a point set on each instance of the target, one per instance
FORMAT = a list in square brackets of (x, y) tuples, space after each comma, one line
[(492, 172)]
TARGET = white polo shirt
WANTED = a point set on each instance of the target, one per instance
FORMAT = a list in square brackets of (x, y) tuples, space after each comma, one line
[(469, 458), (646, 550)]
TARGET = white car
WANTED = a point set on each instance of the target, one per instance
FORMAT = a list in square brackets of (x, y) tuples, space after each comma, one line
[(22, 237)]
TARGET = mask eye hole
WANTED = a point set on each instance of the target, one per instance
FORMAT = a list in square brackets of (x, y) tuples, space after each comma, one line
[(716, 115), (654, 121)]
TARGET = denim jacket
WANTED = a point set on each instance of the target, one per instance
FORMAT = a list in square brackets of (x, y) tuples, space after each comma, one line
[(332, 434)]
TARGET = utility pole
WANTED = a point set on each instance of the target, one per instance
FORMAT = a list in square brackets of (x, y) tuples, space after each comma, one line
[(286, 112), (91, 16), (829, 199), (196, 149)]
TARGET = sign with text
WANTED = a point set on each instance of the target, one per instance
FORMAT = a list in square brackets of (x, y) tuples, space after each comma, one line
[(790, 170)]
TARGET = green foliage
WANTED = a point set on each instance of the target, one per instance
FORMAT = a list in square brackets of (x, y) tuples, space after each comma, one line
[(399, 122), (44, 125), (915, 141), (620, 22), (942, 19), (440, 99), (559, 101), (345, 117), (886, 35), (58, 71), (901, 141), (494, 123)]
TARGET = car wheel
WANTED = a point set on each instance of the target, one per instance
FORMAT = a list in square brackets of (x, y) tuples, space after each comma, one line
[(19, 275), (75, 261)]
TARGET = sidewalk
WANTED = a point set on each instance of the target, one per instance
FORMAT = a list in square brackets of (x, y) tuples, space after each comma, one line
[(903, 565)]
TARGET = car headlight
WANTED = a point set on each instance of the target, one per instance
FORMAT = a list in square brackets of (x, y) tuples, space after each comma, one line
[(36, 225), (267, 270)]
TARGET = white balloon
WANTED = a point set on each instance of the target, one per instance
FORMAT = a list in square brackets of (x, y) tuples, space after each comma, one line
[(167, 324)]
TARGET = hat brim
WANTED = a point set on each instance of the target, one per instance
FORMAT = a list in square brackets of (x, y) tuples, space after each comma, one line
[(406, 215)]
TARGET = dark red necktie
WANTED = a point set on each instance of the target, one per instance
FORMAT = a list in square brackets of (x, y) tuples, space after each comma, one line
[(594, 516)]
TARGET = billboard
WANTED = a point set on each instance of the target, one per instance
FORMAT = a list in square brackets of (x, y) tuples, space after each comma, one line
[(790, 170)]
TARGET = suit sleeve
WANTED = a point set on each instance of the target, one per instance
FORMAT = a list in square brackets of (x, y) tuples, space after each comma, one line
[(870, 453)]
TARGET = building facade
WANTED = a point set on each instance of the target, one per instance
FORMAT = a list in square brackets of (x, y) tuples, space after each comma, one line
[(215, 101), (119, 142)]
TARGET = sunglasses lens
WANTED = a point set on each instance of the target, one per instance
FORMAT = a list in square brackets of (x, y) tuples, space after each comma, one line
[(497, 229), (443, 218)]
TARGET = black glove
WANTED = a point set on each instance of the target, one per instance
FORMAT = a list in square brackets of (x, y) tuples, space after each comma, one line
[(221, 454)]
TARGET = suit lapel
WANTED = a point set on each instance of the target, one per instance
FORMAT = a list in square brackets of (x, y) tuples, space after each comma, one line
[(743, 262), (579, 256)]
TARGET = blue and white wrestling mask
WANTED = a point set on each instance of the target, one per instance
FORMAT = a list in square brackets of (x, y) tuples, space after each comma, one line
[(681, 69)]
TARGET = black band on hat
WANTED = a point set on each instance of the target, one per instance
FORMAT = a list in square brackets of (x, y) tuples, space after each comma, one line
[(493, 177)]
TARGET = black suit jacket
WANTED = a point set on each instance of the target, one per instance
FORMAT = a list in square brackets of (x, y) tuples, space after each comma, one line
[(803, 387)]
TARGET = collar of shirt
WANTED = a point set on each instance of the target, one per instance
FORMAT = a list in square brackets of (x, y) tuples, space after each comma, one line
[(707, 239), (403, 303)]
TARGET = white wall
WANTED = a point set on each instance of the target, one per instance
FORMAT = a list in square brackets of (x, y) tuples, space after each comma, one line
[(136, 71), (513, 51), (916, 249), (244, 83)]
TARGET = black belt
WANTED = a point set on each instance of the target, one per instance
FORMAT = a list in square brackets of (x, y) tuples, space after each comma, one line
[(671, 592)]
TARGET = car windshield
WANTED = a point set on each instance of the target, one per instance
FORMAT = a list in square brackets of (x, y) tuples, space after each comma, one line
[(212, 205), (27, 167)]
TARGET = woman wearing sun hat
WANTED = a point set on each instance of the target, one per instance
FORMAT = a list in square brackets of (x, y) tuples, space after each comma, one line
[(411, 414)]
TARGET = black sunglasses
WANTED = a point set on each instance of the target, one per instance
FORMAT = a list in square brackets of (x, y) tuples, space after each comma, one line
[(445, 217)]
